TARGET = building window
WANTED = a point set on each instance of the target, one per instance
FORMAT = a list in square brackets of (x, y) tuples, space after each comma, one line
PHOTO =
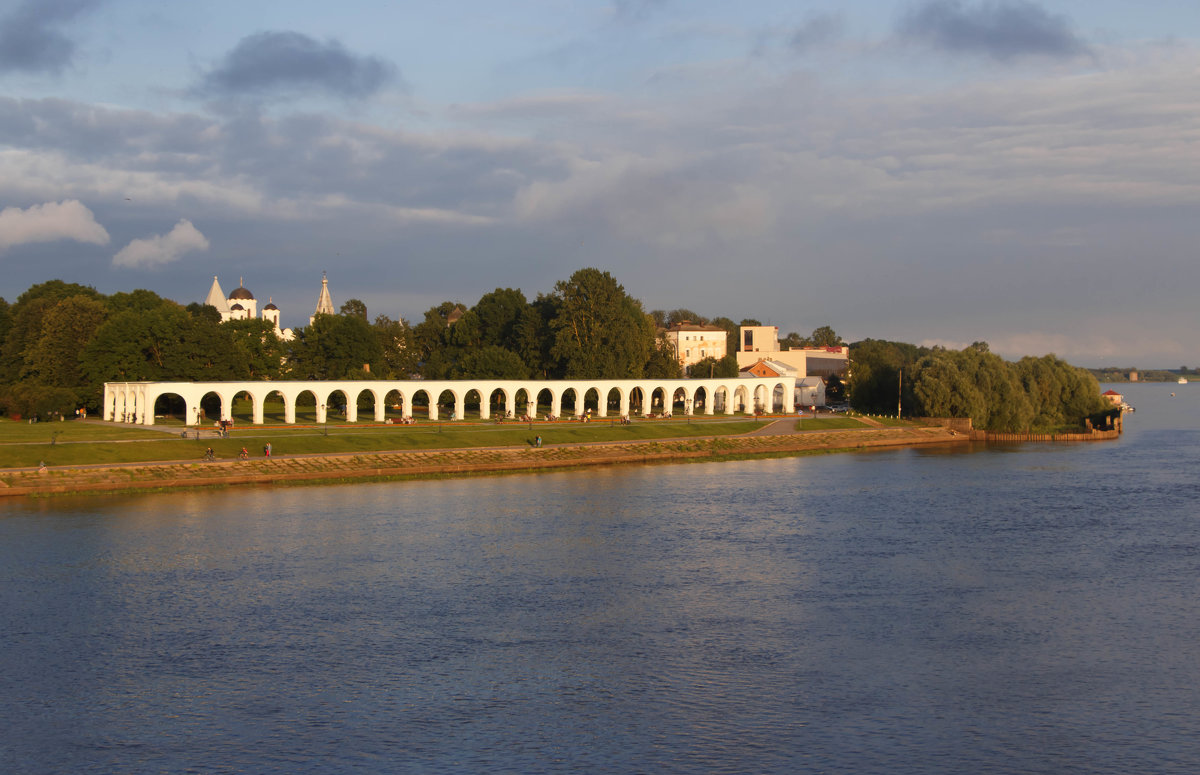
[(748, 341)]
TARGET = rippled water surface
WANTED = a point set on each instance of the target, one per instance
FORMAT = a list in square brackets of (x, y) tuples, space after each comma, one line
[(1010, 609)]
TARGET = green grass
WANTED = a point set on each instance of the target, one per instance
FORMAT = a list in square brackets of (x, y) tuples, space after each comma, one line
[(99, 444), (828, 423)]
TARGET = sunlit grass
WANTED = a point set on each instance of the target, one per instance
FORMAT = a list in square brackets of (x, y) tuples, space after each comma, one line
[(828, 423), (101, 444)]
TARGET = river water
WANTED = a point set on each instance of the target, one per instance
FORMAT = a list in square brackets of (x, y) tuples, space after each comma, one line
[(1032, 608)]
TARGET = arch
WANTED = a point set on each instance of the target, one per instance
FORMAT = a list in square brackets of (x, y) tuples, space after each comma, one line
[(481, 406), (277, 411), (171, 406), (569, 401), (504, 407), (658, 401), (681, 401), (245, 407), (538, 401), (304, 407), (213, 407), (368, 402), (523, 405), (335, 405), (395, 405), (591, 399), (424, 396), (450, 399), (701, 400), (778, 396), (616, 400)]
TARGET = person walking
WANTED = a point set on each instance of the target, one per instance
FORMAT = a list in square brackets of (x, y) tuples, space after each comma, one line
[(267, 450)]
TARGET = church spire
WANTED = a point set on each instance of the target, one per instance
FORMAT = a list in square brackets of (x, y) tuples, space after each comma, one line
[(216, 298), (324, 302)]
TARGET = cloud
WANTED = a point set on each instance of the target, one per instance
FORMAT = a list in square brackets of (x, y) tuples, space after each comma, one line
[(50, 222), (162, 248), (816, 30), (278, 63), (635, 10), (1000, 29), (30, 40)]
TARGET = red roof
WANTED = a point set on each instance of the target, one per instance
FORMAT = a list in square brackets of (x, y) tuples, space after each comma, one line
[(1110, 393)]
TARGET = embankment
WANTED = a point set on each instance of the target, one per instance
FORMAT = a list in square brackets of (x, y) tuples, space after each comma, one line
[(453, 462)]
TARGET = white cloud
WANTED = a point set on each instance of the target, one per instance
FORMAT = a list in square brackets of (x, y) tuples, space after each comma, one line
[(162, 248), (49, 222)]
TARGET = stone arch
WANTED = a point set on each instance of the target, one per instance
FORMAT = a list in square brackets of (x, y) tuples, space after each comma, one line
[(658, 400), (448, 398), (504, 406), (701, 400), (304, 407), (244, 406), (523, 407), (591, 400), (213, 407), (681, 401), (741, 399), (172, 406), (549, 401), (364, 402), (569, 402), (778, 397), (336, 406), (276, 412), (638, 401), (395, 405), (481, 406), (615, 399), (424, 395)]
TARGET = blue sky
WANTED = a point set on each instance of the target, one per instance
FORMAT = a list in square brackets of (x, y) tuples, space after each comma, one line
[(933, 171)]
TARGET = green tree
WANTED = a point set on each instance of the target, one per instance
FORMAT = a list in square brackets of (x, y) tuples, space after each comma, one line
[(825, 337), (257, 350), (334, 347), (492, 362), (54, 358), (713, 367), (355, 308), (600, 331), (396, 347)]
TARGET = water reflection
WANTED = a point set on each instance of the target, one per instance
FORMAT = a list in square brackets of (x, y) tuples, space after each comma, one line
[(906, 611)]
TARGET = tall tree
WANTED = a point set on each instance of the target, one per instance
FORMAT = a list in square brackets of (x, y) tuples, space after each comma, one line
[(600, 331)]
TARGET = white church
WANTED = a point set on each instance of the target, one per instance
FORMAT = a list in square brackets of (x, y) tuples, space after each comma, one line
[(241, 305)]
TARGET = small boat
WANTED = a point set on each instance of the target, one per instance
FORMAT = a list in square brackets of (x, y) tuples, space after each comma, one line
[(1181, 381)]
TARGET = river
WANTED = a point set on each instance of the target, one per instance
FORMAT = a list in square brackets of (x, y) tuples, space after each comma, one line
[(1026, 608)]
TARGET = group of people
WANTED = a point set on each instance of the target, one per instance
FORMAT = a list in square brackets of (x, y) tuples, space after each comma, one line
[(209, 455)]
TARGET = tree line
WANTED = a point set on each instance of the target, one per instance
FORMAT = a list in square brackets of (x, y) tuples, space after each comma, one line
[(60, 342), (1034, 393)]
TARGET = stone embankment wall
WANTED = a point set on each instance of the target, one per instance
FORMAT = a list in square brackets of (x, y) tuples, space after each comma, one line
[(963, 425)]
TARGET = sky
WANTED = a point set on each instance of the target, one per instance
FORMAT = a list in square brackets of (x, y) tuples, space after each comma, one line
[(1020, 172)]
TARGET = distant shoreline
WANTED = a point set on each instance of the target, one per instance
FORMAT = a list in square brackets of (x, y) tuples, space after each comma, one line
[(427, 464)]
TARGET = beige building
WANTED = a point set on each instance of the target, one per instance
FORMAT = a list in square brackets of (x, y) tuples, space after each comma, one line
[(693, 342), (762, 343)]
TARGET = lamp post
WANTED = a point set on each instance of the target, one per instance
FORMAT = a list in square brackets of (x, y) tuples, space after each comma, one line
[(325, 417)]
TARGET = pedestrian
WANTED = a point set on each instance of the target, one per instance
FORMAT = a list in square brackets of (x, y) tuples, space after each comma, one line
[(267, 450), (537, 442)]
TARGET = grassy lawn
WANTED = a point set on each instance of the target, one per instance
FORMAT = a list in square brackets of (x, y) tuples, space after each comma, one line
[(839, 422), (111, 444), (894, 422), (22, 432)]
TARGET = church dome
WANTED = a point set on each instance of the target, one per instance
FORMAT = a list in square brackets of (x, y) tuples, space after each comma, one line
[(241, 293), (270, 305), (236, 307)]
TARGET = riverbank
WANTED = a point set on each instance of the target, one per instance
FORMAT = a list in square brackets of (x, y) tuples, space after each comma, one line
[(317, 468)]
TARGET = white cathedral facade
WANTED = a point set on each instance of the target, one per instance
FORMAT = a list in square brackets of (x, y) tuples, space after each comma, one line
[(241, 305)]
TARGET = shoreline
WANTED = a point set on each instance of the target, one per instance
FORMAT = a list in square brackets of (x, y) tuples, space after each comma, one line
[(427, 464)]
